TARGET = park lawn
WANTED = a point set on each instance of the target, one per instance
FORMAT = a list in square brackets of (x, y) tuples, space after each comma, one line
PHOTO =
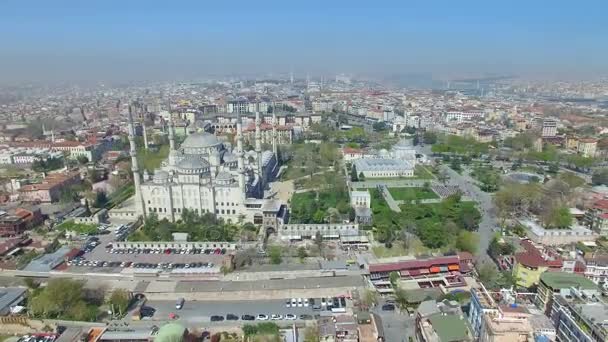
[(292, 172), (415, 248), (120, 196), (421, 172), (81, 228), (412, 194), (150, 160)]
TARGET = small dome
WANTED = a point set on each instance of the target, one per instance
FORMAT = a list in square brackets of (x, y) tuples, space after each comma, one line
[(200, 140), (229, 158), (223, 176), (160, 174), (192, 163)]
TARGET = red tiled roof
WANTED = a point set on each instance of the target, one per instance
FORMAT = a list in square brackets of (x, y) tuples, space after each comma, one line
[(413, 264), (350, 150), (601, 204), (533, 257)]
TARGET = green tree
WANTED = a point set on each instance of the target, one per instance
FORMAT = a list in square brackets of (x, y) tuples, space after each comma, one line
[(82, 160), (488, 275), (394, 278), (302, 253), (401, 299), (275, 254), (361, 176), (429, 138), (62, 299), (467, 241), (557, 217), (101, 199), (353, 174), (311, 334), (600, 177), (119, 301)]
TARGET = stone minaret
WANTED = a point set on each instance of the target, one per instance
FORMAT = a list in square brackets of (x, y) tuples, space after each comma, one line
[(241, 155), (139, 202), (143, 124), (274, 135), (258, 145), (172, 150)]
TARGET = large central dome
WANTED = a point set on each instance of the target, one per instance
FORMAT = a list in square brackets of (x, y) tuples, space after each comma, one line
[(200, 140)]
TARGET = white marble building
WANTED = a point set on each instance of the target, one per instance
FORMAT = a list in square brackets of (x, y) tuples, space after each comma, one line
[(206, 176)]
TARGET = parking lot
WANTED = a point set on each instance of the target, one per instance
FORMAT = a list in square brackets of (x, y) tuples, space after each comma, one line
[(201, 311), (104, 259)]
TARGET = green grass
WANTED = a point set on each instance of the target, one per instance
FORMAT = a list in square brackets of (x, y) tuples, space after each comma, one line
[(421, 172), (81, 228), (412, 194), (293, 173), (150, 160), (120, 196)]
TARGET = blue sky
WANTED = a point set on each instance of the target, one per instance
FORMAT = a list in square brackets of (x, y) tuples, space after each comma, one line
[(46, 40)]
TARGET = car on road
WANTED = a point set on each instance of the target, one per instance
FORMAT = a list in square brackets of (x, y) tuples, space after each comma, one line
[(290, 317), (262, 317), (388, 307), (248, 317), (323, 302), (305, 317), (179, 304), (216, 318), (232, 317), (276, 317), (288, 303)]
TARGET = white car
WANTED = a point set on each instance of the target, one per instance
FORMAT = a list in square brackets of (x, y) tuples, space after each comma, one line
[(306, 302), (288, 304), (291, 317), (294, 302), (276, 317), (300, 302), (262, 317)]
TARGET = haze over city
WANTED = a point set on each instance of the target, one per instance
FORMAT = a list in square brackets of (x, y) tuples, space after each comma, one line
[(158, 40), (278, 171)]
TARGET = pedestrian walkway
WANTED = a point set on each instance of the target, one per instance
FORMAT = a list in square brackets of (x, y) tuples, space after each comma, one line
[(389, 198)]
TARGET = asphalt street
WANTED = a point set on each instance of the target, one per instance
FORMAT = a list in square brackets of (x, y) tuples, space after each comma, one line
[(198, 313)]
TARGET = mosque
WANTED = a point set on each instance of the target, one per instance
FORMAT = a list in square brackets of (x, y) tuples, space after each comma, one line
[(206, 175)]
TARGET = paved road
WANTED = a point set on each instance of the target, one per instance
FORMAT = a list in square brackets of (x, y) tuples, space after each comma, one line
[(486, 207), (276, 284), (201, 311)]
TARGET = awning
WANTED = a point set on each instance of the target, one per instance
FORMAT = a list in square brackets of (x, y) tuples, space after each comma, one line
[(434, 269), (453, 267)]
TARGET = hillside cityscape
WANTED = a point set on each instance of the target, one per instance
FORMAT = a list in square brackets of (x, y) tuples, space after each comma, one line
[(300, 200)]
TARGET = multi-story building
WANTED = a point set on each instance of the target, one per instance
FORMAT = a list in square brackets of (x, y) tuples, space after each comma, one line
[(549, 128), (328, 231), (466, 115), (552, 284), (431, 272), (596, 268), (596, 217), (587, 147), (384, 168), (442, 322), (361, 203), (482, 303), (580, 317), (49, 190), (534, 261), (556, 237), (509, 323)]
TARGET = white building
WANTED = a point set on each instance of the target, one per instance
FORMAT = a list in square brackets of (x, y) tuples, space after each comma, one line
[(384, 168), (204, 176), (360, 199), (549, 128)]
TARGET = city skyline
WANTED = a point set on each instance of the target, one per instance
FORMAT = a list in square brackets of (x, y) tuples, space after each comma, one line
[(113, 41)]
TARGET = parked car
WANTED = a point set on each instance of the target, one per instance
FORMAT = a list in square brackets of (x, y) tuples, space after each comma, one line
[(248, 318), (388, 307), (216, 318), (262, 317)]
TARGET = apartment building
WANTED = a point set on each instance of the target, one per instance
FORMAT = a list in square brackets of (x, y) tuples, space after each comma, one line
[(49, 190), (552, 284), (534, 261), (578, 316)]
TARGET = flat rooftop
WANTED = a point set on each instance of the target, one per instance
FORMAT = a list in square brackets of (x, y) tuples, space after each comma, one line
[(560, 280)]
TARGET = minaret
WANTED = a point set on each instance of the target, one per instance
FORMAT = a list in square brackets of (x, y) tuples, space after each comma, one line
[(139, 203), (241, 156), (145, 131), (172, 150), (258, 145), (274, 136)]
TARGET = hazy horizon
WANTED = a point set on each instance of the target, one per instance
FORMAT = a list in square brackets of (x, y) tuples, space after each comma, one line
[(148, 40)]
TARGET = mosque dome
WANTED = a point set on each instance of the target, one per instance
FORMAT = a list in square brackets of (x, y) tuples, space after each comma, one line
[(200, 140), (161, 176), (193, 165)]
